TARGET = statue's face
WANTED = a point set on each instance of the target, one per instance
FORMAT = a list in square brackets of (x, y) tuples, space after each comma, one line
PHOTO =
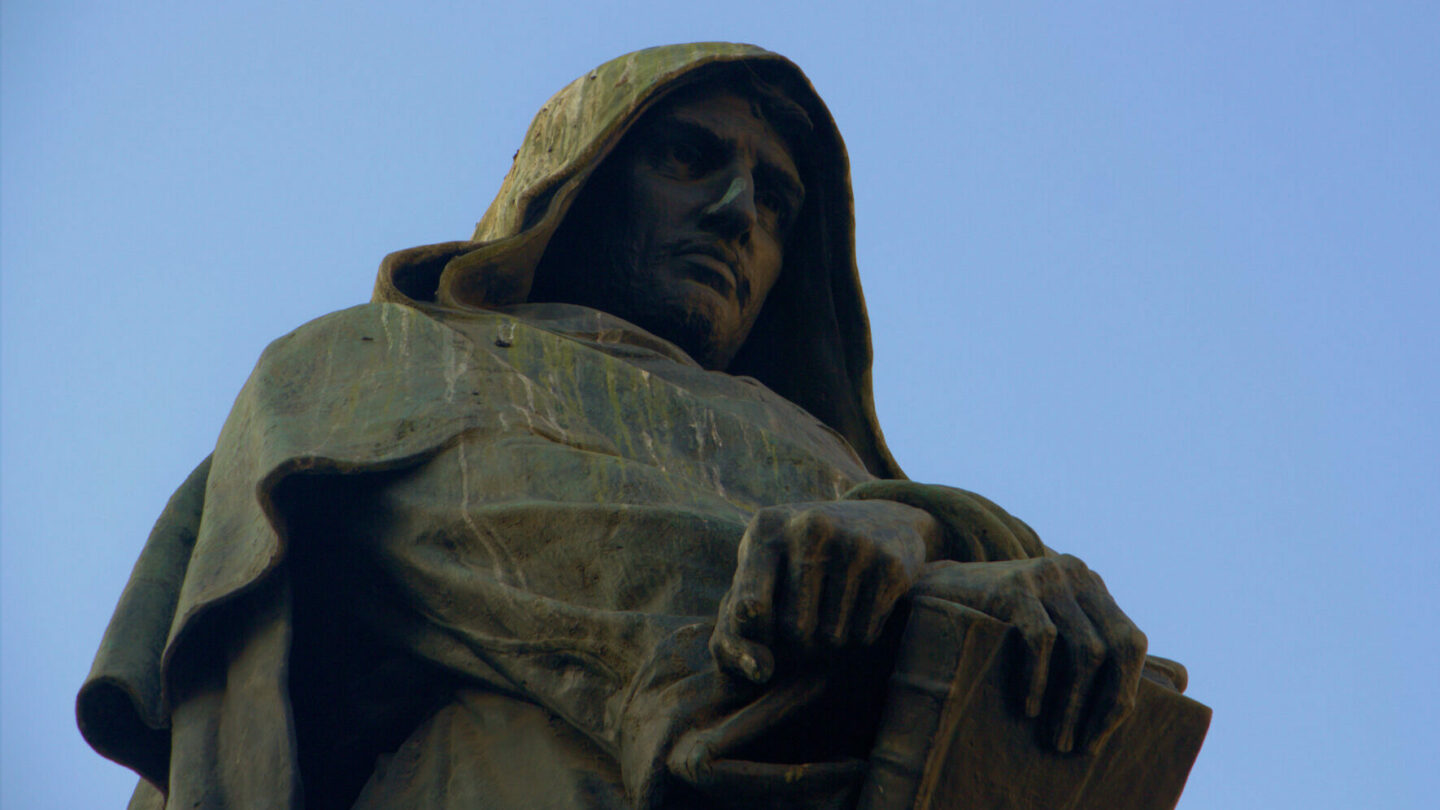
[(701, 196)]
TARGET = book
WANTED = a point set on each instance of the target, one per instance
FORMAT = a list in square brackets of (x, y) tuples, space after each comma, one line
[(952, 735)]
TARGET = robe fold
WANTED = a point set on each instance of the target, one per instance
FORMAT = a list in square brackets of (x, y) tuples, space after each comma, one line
[(543, 523), (458, 548)]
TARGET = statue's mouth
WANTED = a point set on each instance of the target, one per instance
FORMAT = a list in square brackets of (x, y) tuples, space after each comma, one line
[(713, 265)]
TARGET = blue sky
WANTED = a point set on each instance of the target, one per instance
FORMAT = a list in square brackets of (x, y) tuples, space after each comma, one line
[(1161, 278)]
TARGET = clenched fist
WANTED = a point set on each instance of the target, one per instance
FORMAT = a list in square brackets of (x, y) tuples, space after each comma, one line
[(818, 576)]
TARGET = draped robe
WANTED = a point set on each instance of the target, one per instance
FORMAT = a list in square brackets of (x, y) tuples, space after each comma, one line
[(455, 545), (532, 532)]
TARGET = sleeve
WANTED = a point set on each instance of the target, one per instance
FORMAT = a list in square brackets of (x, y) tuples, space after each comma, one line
[(976, 530), (121, 709), (507, 599)]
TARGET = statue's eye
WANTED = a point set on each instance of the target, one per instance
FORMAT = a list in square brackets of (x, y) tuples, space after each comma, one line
[(683, 158), (774, 203), (685, 154)]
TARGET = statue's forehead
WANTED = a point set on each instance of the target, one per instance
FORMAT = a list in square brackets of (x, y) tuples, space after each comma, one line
[(725, 114)]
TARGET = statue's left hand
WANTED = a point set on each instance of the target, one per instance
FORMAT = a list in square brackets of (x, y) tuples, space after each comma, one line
[(818, 576), (1083, 655)]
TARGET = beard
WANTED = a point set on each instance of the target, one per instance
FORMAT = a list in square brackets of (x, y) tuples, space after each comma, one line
[(616, 282), (600, 258)]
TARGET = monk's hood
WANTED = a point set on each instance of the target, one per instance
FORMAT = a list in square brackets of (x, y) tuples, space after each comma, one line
[(811, 342)]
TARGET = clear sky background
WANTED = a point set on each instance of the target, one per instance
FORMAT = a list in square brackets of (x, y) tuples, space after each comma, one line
[(1161, 278)]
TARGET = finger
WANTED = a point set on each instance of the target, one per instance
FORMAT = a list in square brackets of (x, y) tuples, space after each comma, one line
[(1037, 633), (807, 540), (744, 627), (1115, 690), (741, 657), (749, 609), (800, 602), (838, 606), (876, 601), (1084, 653)]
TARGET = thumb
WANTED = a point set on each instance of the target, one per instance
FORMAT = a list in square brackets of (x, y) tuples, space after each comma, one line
[(740, 656)]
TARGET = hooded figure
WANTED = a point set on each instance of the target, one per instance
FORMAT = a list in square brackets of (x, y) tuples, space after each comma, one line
[(464, 546)]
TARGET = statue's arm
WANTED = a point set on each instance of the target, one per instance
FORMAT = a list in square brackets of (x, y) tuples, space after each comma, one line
[(826, 576), (975, 529)]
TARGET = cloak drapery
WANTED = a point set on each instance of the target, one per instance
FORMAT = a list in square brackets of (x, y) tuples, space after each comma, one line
[(457, 546)]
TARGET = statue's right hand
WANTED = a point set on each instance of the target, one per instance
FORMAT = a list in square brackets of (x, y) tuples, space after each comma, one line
[(815, 577), (1057, 605)]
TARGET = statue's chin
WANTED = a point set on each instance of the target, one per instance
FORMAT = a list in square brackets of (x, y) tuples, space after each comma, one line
[(688, 313), (692, 329)]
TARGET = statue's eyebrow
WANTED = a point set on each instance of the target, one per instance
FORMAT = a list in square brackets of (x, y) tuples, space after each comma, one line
[(672, 128), (771, 170)]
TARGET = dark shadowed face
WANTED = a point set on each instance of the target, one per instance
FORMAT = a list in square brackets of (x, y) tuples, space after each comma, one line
[(690, 217)]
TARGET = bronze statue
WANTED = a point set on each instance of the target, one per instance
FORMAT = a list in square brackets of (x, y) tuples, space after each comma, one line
[(589, 511)]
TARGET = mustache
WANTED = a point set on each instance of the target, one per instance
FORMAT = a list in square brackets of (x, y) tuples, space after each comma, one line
[(721, 252)]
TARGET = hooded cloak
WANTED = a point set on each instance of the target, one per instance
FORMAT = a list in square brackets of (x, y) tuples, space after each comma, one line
[(460, 548), (812, 342)]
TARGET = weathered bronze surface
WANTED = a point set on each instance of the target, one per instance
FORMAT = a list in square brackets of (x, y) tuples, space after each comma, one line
[(592, 511)]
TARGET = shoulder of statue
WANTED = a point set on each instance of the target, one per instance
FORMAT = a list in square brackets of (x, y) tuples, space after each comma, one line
[(365, 322)]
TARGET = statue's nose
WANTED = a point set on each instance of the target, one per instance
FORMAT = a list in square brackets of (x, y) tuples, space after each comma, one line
[(732, 214)]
